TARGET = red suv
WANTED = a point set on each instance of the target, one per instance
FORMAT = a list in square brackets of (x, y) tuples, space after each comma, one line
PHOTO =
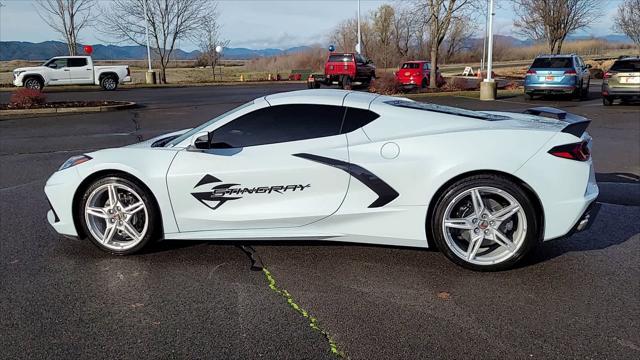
[(345, 70), (413, 74)]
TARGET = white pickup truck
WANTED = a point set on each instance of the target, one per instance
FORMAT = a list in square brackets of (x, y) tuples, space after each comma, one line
[(71, 70)]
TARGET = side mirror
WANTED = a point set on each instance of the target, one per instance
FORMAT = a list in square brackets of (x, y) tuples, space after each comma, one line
[(201, 140)]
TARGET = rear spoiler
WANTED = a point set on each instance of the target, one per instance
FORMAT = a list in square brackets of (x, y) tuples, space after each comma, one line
[(576, 125)]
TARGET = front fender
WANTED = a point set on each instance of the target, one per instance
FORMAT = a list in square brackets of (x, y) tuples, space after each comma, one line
[(148, 165)]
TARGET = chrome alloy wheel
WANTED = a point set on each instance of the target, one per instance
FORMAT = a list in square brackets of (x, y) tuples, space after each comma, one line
[(484, 225), (109, 83), (116, 216)]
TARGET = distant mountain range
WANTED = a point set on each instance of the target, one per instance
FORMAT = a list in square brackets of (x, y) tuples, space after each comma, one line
[(20, 50)]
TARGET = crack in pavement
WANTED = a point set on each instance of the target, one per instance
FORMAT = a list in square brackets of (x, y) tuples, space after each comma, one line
[(313, 322)]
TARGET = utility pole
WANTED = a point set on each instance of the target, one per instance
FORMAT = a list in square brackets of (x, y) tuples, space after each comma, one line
[(488, 86), (150, 76), (359, 45)]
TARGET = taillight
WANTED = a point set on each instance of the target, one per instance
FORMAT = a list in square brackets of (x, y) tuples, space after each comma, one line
[(570, 72), (128, 71), (531, 72), (608, 75), (577, 151)]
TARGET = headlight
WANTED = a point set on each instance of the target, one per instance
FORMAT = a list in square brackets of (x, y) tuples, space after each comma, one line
[(17, 73), (75, 160)]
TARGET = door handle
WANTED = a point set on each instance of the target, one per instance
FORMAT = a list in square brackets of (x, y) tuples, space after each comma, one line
[(67, 70)]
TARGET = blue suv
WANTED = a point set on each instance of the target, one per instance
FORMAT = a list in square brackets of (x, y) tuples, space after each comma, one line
[(558, 74)]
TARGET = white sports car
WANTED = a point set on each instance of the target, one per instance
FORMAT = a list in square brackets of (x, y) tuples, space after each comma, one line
[(483, 187)]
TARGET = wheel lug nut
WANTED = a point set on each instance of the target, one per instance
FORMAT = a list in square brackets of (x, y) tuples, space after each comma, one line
[(476, 230), (484, 216), (486, 232), (113, 220), (474, 220), (492, 223)]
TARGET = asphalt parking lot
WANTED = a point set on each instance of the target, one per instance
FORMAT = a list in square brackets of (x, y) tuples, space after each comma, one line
[(575, 298)]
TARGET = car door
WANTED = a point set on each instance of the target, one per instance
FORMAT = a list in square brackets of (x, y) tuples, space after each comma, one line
[(58, 72), (260, 171), (80, 72)]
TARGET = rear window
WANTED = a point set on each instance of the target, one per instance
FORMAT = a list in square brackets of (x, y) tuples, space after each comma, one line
[(552, 63), (445, 110), (626, 66), (341, 58), (411, 66)]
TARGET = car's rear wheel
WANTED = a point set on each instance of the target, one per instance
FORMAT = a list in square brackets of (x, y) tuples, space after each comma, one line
[(585, 90), (109, 83), (485, 223), (33, 83), (346, 83), (118, 215), (607, 100)]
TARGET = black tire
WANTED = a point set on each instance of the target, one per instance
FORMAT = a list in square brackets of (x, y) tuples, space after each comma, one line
[(34, 83), (109, 83), (316, 85), (577, 93), (529, 96), (585, 91), (424, 83), (311, 84), (346, 83), (531, 238), (607, 100), (153, 218)]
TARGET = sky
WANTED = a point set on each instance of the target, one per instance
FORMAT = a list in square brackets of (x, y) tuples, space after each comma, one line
[(259, 24)]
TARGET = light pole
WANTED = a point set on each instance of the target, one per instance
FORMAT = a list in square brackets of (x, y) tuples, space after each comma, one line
[(488, 86), (358, 45), (150, 76), (1, 6)]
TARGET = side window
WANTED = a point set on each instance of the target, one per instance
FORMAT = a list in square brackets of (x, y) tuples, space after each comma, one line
[(359, 59), (77, 62), (356, 118), (59, 63), (427, 66), (279, 123)]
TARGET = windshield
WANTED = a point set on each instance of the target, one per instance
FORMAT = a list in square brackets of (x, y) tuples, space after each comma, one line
[(626, 66), (195, 130), (341, 58), (411, 66), (446, 110), (552, 63)]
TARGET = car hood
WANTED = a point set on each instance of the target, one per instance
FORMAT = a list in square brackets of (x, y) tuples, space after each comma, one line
[(160, 140), (30, 68)]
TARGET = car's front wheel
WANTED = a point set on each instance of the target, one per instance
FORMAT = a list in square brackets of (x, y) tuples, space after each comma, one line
[(118, 215), (485, 223), (33, 83)]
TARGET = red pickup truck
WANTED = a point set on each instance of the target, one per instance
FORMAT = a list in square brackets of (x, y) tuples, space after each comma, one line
[(345, 70), (413, 74)]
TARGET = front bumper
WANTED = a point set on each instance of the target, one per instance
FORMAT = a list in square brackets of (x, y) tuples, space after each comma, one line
[(60, 190), (18, 82)]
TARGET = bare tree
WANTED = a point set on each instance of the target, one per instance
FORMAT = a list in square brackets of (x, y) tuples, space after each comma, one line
[(438, 17), (169, 21), (209, 39), (406, 28), (462, 27), (383, 20), (66, 17), (627, 20), (553, 20)]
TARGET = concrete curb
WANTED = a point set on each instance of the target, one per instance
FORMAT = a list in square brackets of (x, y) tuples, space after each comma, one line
[(89, 109)]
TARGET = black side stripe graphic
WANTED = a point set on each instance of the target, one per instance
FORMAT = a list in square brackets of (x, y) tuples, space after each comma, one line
[(385, 192)]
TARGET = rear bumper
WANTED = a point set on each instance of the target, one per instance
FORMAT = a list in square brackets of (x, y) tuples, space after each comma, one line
[(621, 91), (549, 89), (587, 219)]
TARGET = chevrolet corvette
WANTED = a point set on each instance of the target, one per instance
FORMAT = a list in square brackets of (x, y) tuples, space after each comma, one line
[(484, 187)]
